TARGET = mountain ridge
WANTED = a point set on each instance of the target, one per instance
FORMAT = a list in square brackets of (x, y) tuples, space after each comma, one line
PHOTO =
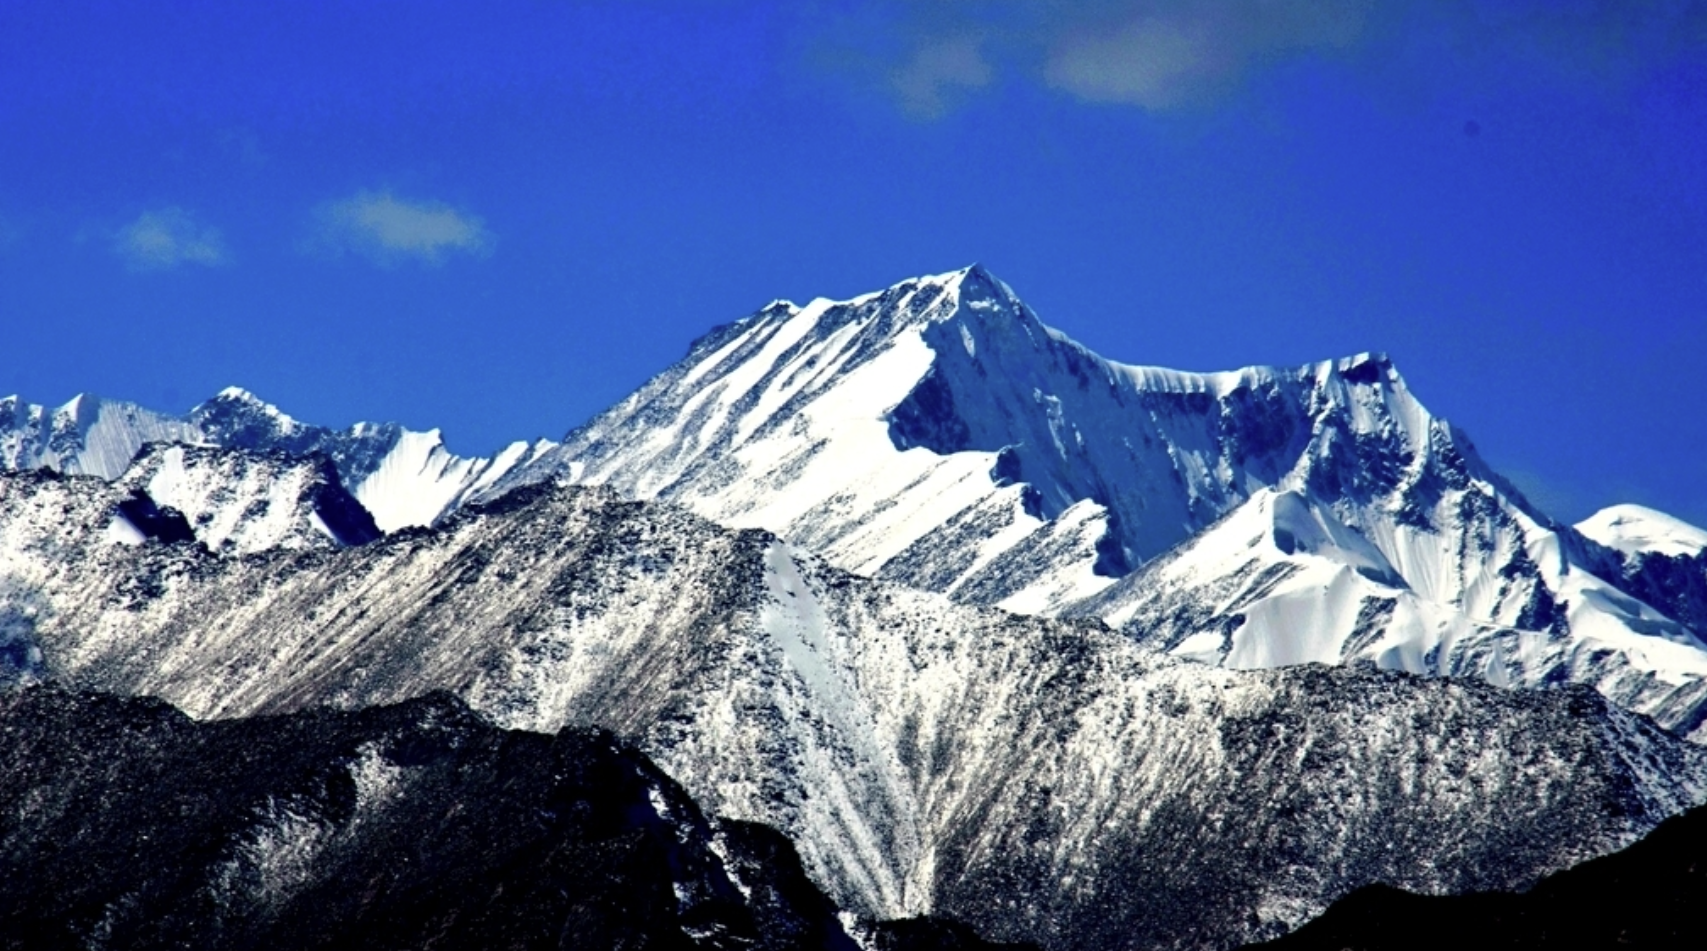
[(938, 434)]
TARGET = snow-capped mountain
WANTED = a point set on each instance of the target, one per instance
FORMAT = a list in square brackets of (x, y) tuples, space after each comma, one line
[(403, 478), (1040, 779), (1285, 579), (939, 435)]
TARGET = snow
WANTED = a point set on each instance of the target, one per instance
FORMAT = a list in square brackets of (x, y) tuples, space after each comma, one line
[(86, 436), (938, 434), (417, 482), (1634, 529), (404, 478)]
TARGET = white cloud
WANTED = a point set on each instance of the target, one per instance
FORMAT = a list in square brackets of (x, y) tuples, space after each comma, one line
[(936, 71), (387, 229), (166, 238), (1153, 64)]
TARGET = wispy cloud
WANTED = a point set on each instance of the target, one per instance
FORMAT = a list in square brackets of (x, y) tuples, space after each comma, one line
[(388, 230), (167, 238), (1159, 56), (939, 70)]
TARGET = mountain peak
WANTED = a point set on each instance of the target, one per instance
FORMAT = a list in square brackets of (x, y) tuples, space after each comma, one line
[(251, 402)]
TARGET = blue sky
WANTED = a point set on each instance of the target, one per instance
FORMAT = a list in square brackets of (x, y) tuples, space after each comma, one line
[(499, 218)]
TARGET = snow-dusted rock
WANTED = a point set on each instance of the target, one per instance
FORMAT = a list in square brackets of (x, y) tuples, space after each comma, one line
[(405, 478), (86, 436), (239, 501)]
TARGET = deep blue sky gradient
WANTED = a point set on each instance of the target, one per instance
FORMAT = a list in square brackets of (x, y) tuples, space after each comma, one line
[(1512, 203)]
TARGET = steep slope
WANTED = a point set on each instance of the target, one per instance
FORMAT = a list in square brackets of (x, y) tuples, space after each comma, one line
[(1041, 780), (403, 478), (937, 434), (416, 825), (1647, 897)]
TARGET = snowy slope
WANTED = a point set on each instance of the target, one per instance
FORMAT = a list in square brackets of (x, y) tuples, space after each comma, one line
[(1036, 778), (404, 478), (1283, 580), (1637, 529)]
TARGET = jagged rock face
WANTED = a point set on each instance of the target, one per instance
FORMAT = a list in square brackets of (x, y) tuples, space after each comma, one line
[(1647, 896), (1285, 579), (131, 826), (810, 422), (403, 478), (1038, 779)]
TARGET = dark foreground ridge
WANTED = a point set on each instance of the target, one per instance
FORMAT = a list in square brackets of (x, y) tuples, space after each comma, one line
[(1651, 895), (128, 825)]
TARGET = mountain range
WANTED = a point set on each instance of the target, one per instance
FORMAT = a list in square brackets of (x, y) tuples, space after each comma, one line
[(989, 626)]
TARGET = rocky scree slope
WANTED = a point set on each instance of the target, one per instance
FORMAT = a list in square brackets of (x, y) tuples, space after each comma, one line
[(939, 435), (1040, 780), (130, 826)]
